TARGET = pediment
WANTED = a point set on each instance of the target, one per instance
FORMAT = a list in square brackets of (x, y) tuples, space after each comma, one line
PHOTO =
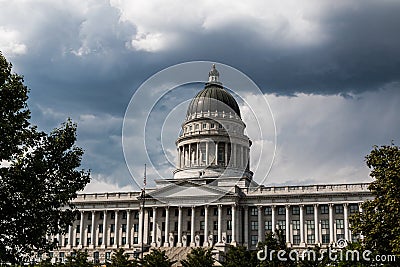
[(189, 189)]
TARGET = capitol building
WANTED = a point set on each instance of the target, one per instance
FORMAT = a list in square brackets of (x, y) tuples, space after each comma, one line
[(212, 199)]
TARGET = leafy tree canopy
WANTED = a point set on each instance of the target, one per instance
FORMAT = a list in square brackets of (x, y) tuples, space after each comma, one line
[(39, 174), (156, 258), (199, 257)]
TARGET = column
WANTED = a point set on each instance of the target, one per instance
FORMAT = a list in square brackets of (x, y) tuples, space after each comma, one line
[(141, 214), (207, 156), (234, 224), (302, 225), (70, 236), (241, 156), (226, 154), (81, 230), (198, 153), (260, 224), (316, 224), (287, 224), (103, 244), (154, 236), (116, 233), (166, 233), (206, 226), (331, 233), (179, 227), (234, 154), (128, 228), (273, 218), (220, 224), (192, 242), (246, 226), (216, 153), (93, 234), (346, 221), (190, 155)]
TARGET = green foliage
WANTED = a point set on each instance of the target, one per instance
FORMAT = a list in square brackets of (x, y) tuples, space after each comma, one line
[(78, 258), (379, 221), (40, 176), (120, 259), (199, 257), (239, 256), (156, 258)]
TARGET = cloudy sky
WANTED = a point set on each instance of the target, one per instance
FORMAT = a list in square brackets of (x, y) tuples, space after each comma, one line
[(330, 71)]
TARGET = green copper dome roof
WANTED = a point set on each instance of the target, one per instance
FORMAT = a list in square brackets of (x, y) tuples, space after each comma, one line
[(213, 98)]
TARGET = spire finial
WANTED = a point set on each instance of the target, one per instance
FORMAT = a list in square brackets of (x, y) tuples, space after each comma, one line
[(213, 75)]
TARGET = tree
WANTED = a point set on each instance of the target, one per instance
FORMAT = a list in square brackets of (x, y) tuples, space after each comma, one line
[(120, 259), (239, 256), (78, 258), (199, 257), (156, 258), (38, 174), (379, 221)]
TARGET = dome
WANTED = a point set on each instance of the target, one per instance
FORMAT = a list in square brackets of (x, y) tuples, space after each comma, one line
[(213, 98)]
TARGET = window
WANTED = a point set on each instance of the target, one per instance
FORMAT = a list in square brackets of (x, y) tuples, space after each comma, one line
[(281, 211), (310, 239), (164, 213), (176, 226), (176, 211), (282, 225), (124, 215), (189, 225), (78, 229), (136, 227), (268, 211), (324, 224), (77, 240), (202, 212), (309, 210), (66, 241), (296, 239), (254, 240), (253, 211), (355, 238), (123, 240), (151, 227), (112, 228), (229, 211), (108, 255), (189, 212), (296, 225), (190, 128), (295, 210), (100, 228), (228, 239), (254, 225), (101, 215), (196, 126), (151, 213), (202, 224), (100, 241), (111, 240), (353, 208), (89, 241), (339, 236), (212, 125), (324, 209), (123, 226), (268, 225), (78, 217), (163, 226), (89, 228), (220, 126), (339, 209), (204, 125), (135, 240), (215, 212), (310, 224), (325, 239), (89, 216), (62, 255), (228, 225), (136, 215), (339, 224), (113, 215), (215, 225)]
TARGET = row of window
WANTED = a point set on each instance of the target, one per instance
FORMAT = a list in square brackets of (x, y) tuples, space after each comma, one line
[(101, 214), (324, 209), (212, 125), (296, 224)]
